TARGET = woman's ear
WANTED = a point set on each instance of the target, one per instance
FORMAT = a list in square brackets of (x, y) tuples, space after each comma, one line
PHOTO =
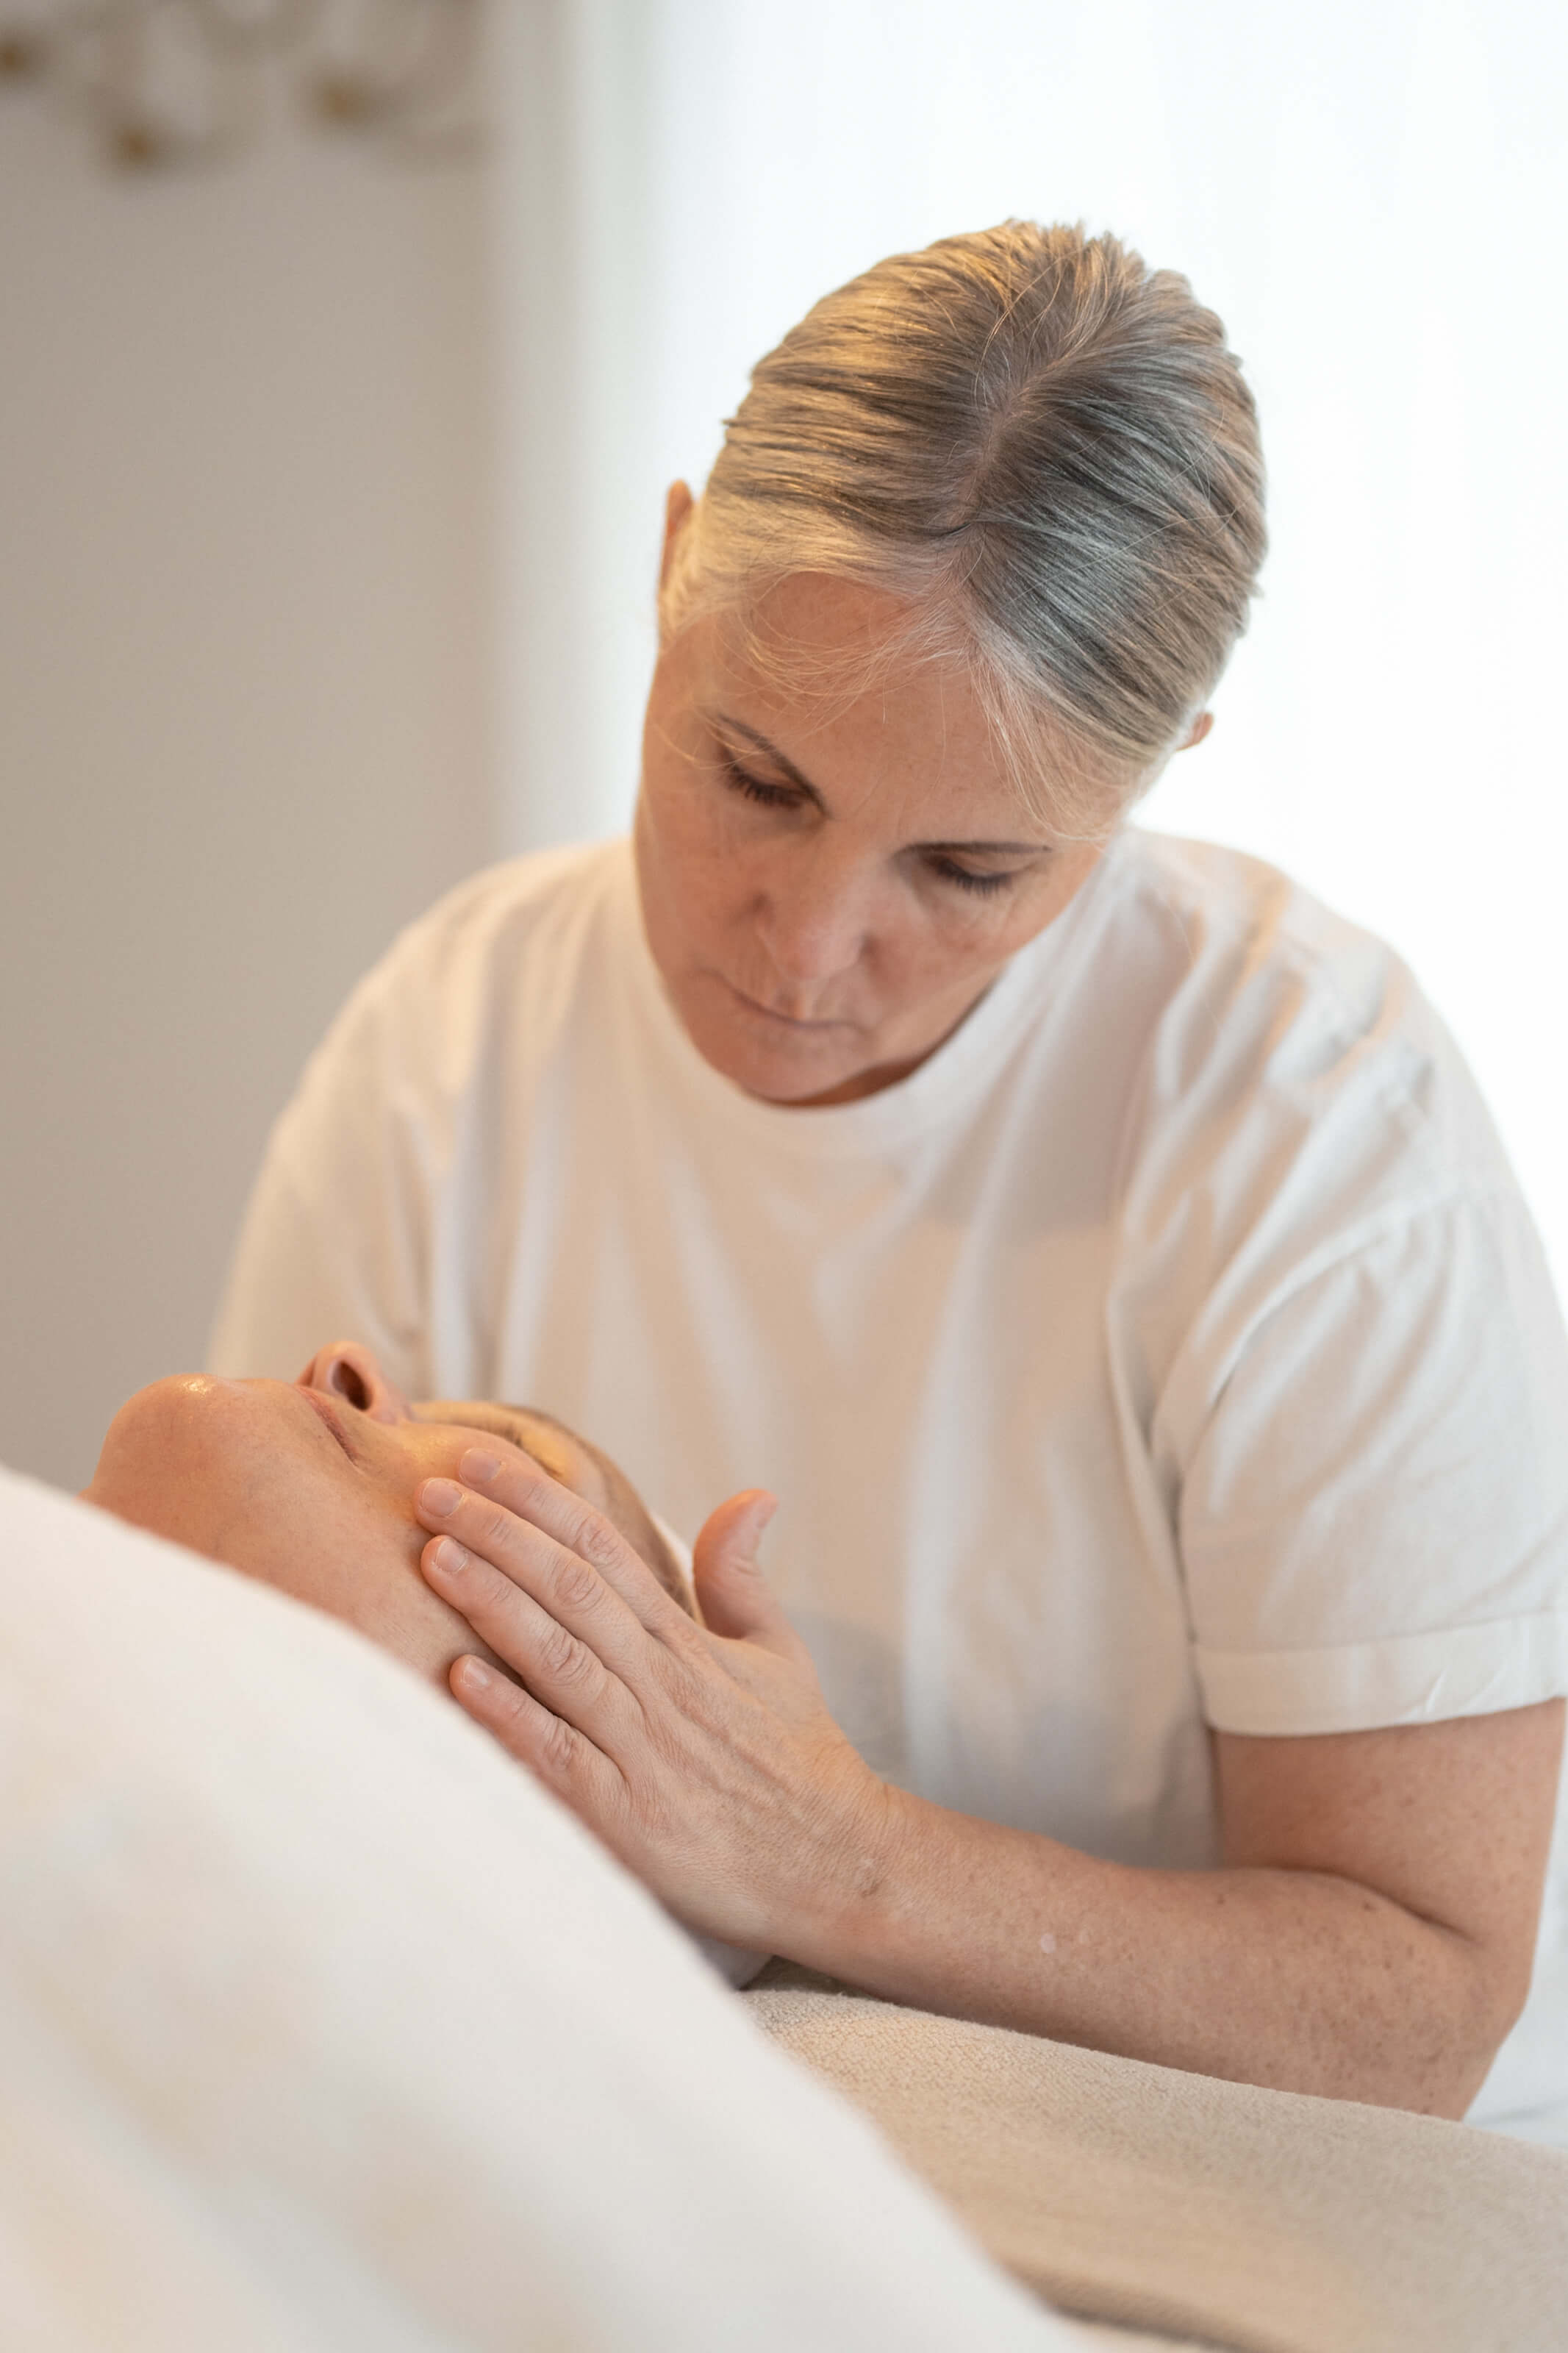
[(677, 504), (1197, 730)]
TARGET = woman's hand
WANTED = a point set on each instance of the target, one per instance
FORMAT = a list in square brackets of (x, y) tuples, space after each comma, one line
[(703, 1757), (1367, 1935)]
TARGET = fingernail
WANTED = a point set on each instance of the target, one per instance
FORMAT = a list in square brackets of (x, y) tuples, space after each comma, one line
[(440, 1496), (449, 1557), (478, 1468), (476, 1677)]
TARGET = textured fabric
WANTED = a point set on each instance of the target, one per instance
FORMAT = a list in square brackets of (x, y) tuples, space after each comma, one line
[(1171, 1349), (323, 2030), (1244, 2218)]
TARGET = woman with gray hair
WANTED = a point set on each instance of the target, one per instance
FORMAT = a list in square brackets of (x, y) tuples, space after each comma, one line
[(1098, 1245)]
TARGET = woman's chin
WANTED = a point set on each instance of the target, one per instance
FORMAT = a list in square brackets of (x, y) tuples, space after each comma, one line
[(778, 1064), (807, 1065), (789, 1080)]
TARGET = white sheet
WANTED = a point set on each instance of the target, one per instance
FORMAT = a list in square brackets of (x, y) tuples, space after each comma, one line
[(321, 2026)]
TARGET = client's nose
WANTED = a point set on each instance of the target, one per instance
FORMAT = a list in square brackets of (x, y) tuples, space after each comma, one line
[(346, 1369)]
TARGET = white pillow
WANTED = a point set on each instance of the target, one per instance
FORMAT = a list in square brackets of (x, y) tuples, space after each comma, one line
[(320, 2024)]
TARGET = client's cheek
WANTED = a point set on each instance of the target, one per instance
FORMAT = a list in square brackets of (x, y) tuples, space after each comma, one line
[(424, 1631)]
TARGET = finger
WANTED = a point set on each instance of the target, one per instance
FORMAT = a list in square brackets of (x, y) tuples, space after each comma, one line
[(735, 1597), (553, 1751), (530, 1495), (558, 1667), (570, 1588)]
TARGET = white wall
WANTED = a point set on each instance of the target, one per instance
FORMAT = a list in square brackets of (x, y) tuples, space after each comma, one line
[(245, 593), (1373, 192)]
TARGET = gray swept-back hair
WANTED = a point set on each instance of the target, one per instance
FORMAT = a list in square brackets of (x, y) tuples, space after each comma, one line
[(1044, 451)]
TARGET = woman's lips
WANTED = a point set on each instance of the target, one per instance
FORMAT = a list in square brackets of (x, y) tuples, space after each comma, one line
[(788, 1022)]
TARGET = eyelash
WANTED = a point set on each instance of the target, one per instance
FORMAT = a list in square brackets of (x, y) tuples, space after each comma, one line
[(988, 886), (777, 797), (754, 789)]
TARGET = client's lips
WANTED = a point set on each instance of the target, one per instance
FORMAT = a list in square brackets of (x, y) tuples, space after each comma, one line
[(326, 1411)]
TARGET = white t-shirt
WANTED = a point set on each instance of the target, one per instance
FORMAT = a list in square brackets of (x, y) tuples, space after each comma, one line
[(1172, 1349)]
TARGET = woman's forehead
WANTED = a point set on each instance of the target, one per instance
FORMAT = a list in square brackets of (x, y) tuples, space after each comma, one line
[(818, 645)]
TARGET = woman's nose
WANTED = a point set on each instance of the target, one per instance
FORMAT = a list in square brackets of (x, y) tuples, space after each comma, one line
[(814, 924), (346, 1369)]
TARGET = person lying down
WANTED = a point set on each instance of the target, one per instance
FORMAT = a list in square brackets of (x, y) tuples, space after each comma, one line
[(321, 2025), (309, 1487)]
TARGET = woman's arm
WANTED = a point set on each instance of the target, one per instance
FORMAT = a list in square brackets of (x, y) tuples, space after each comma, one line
[(1368, 1935)]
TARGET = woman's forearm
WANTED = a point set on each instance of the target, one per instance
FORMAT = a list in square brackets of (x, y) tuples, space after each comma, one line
[(1371, 1937), (1302, 1980)]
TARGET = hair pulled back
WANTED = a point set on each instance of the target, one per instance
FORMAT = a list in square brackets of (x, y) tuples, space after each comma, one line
[(1045, 451)]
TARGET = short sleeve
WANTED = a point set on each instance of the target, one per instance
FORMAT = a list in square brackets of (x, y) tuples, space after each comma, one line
[(1374, 1519), (383, 1209), (335, 1242)]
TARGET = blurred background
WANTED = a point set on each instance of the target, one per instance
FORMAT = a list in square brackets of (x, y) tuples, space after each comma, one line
[(348, 349)]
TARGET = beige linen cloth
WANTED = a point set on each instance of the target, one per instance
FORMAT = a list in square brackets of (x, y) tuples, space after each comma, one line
[(1210, 2210)]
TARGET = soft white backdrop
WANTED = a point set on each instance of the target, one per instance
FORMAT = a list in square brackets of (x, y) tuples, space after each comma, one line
[(243, 687), (1373, 193)]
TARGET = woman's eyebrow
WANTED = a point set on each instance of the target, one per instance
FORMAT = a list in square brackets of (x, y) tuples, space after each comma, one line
[(760, 743), (780, 760), (988, 849)]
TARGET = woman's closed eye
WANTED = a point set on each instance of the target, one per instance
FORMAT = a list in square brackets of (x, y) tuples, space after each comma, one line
[(755, 788), (988, 885), (984, 882)]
